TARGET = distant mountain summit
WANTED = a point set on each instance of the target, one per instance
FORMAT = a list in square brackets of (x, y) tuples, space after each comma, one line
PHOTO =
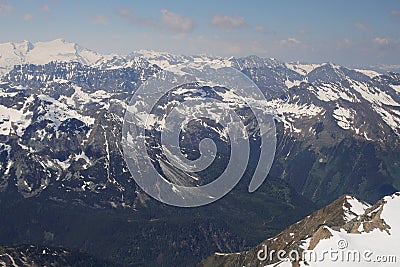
[(44, 52)]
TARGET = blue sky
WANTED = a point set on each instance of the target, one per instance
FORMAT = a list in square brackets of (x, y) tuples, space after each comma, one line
[(353, 33)]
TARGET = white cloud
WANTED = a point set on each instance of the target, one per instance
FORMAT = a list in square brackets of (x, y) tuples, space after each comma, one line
[(175, 22), (344, 42), (99, 20), (228, 23), (302, 31), (259, 28), (289, 41), (124, 12), (27, 17), (387, 43), (381, 41), (169, 20), (5, 7), (132, 18), (361, 26), (45, 8), (394, 12)]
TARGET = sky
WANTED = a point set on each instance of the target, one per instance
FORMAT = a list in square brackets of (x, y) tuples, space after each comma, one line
[(352, 33)]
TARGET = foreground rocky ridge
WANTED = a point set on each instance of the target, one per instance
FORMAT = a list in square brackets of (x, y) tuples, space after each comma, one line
[(346, 224)]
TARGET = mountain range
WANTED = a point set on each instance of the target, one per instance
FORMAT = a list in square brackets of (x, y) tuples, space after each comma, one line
[(61, 113)]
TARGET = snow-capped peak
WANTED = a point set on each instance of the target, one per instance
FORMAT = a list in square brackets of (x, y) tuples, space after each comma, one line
[(353, 207), (40, 53), (302, 68), (371, 235)]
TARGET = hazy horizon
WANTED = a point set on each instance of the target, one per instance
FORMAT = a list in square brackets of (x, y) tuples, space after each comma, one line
[(360, 33)]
